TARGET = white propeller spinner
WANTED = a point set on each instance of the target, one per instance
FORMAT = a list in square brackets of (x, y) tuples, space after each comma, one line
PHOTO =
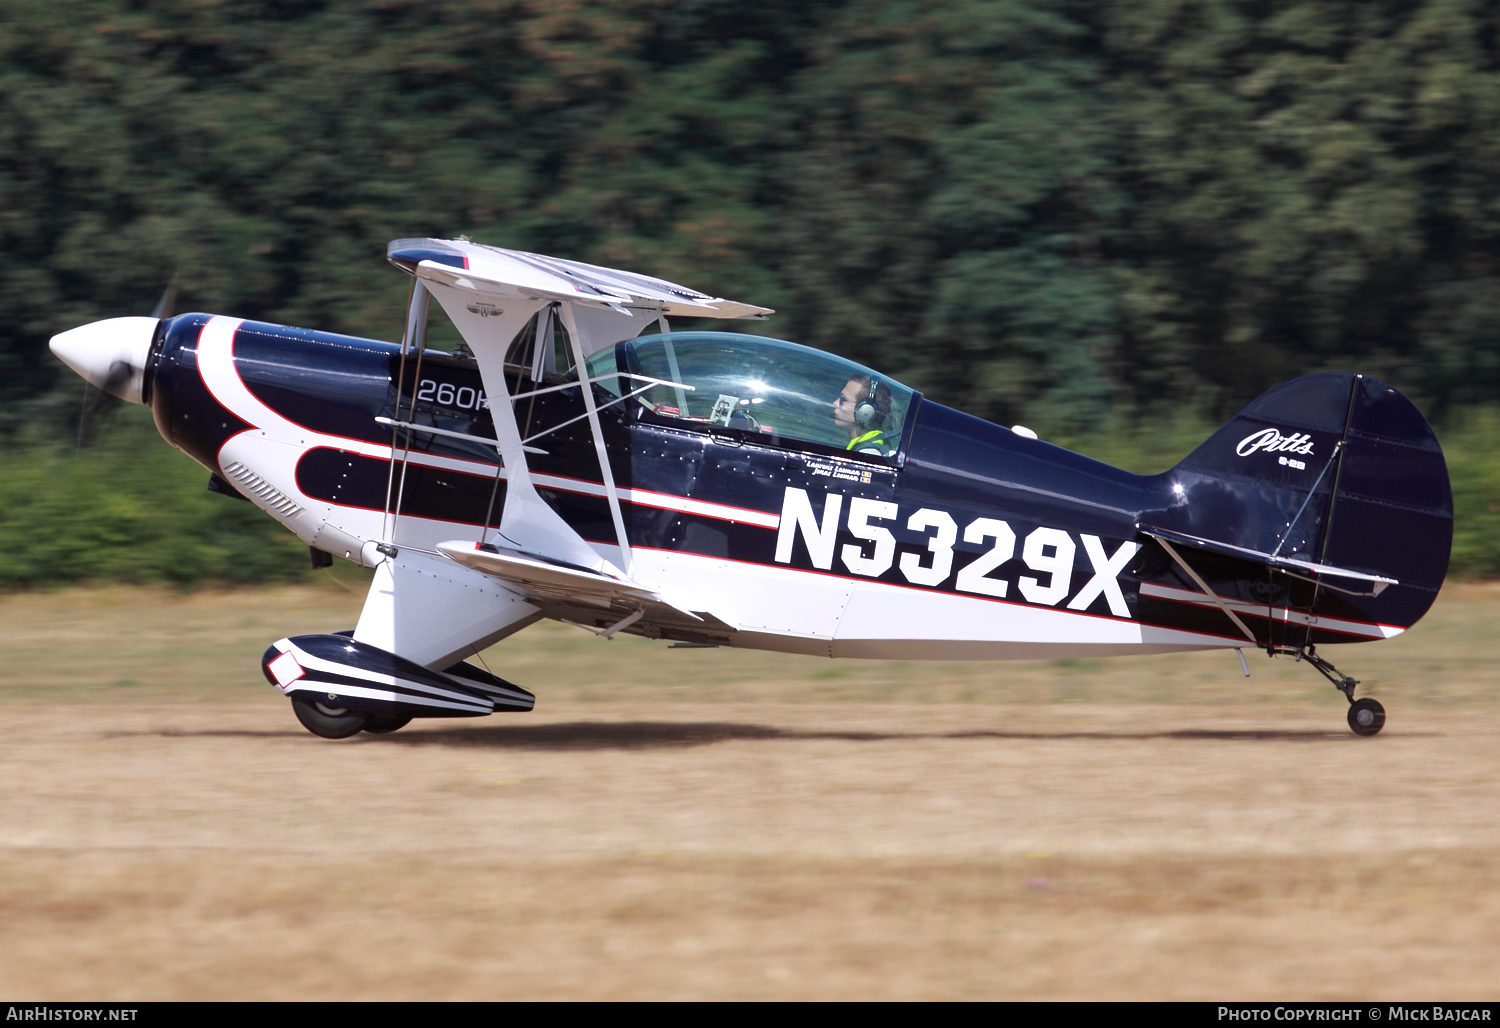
[(97, 350)]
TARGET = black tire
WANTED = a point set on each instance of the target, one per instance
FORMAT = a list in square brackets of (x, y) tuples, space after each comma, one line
[(1366, 716), (326, 721), (385, 725)]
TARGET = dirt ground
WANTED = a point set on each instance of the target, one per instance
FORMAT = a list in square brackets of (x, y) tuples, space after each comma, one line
[(722, 824)]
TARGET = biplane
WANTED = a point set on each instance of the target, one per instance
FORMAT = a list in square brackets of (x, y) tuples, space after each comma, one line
[(577, 460)]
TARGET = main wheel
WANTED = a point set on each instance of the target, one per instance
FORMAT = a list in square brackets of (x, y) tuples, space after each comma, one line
[(328, 722), (1366, 716), (385, 725)]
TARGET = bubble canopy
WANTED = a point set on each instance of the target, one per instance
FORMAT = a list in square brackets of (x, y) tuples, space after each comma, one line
[(766, 388)]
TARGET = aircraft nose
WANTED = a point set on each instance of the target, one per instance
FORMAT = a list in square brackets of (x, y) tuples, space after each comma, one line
[(111, 354)]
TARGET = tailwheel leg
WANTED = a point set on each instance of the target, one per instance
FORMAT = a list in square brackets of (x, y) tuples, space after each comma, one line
[(1366, 715)]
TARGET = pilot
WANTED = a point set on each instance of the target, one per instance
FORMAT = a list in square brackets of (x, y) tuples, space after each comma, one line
[(864, 415)]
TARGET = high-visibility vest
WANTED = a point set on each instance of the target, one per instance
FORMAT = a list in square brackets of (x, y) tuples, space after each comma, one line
[(867, 437)]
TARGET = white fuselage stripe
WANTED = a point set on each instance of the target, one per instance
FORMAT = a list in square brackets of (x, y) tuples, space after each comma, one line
[(221, 377), (362, 692), (1344, 626)]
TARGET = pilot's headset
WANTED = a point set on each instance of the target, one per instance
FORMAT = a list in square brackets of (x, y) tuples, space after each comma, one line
[(866, 414)]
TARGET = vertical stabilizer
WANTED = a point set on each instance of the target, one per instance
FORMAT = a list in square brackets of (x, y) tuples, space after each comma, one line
[(1331, 469)]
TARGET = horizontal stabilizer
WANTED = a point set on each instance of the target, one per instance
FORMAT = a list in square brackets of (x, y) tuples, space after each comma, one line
[(1304, 568)]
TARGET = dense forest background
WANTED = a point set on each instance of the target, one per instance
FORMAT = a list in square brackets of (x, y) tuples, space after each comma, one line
[(1114, 222)]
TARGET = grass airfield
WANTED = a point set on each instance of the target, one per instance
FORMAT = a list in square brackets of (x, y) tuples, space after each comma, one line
[(733, 824)]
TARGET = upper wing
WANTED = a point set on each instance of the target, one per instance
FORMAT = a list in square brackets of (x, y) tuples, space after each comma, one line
[(520, 275)]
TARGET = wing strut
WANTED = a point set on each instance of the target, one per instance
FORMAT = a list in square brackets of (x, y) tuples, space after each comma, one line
[(672, 362), (527, 523), (490, 294), (586, 387), (414, 336)]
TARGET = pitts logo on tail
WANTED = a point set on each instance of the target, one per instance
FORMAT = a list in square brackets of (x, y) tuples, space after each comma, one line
[(1269, 440), (1047, 551)]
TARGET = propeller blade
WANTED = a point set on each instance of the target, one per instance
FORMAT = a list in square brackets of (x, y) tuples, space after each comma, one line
[(168, 300), (120, 374), (102, 403), (98, 407), (103, 397)]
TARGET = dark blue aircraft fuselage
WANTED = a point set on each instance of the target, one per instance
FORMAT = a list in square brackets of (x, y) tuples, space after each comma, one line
[(975, 472)]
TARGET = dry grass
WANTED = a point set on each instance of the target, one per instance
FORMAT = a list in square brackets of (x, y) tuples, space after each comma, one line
[(730, 824), (115, 926), (86, 642)]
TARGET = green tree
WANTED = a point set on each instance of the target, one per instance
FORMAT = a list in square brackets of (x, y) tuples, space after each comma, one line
[(948, 201), (1311, 185)]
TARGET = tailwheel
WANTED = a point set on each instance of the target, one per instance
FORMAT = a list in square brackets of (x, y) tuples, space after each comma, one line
[(385, 725), (327, 721), (1366, 716)]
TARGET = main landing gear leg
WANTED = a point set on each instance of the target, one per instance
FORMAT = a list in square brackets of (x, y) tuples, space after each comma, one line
[(1366, 716)]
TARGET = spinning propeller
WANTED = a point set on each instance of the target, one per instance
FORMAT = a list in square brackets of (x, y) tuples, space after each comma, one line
[(111, 355)]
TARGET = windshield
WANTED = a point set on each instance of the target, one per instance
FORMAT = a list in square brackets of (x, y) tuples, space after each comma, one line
[(764, 387)]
